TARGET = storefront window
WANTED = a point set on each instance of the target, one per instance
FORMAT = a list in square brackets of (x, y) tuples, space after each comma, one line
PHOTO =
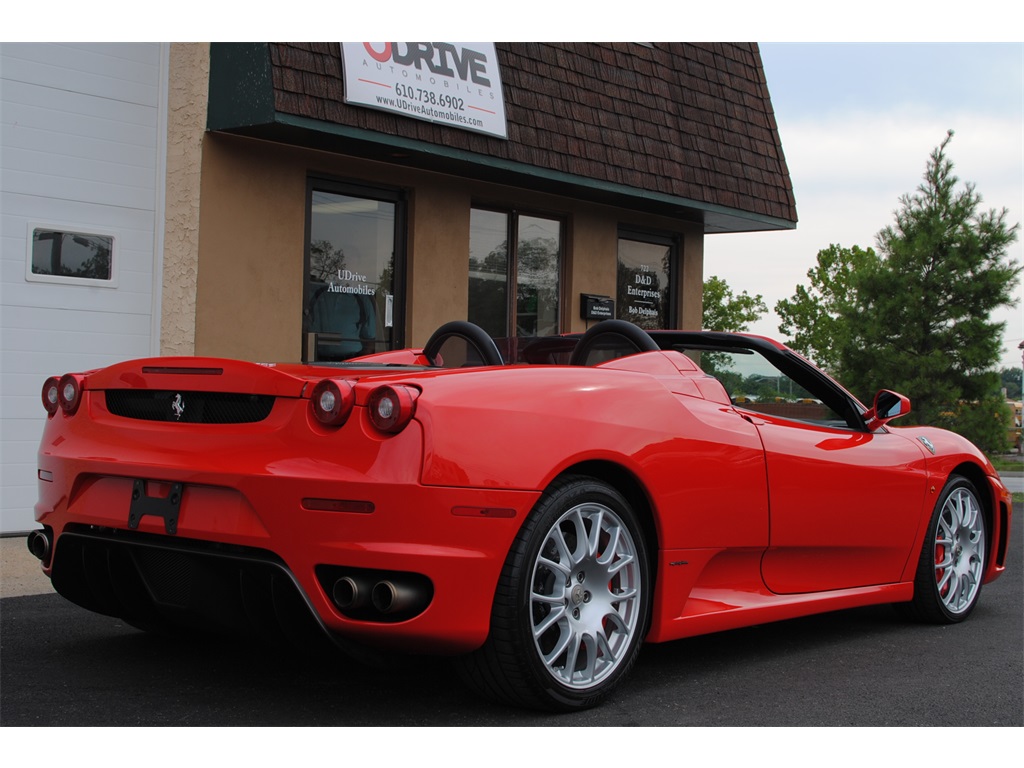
[(645, 280), (532, 266), (350, 306), (488, 271)]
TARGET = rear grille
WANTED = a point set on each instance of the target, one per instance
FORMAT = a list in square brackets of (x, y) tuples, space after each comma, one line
[(189, 407)]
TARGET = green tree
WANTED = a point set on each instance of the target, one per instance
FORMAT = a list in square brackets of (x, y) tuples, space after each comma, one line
[(724, 310), (923, 318), (815, 317), (727, 311), (918, 317)]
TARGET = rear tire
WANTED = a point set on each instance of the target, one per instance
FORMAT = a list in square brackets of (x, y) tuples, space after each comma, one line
[(572, 603), (954, 556)]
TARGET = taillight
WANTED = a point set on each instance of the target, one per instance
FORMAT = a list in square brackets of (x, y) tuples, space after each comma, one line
[(391, 408), (51, 395), (69, 393), (332, 402)]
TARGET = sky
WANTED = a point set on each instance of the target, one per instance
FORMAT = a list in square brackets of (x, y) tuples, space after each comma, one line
[(857, 123)]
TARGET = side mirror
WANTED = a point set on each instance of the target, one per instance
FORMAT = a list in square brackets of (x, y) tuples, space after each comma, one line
[(888, 406)]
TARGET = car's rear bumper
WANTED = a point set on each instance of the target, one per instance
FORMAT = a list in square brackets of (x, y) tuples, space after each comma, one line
[(311, 517)]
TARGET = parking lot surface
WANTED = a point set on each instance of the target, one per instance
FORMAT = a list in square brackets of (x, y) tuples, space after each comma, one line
[(60, 665)]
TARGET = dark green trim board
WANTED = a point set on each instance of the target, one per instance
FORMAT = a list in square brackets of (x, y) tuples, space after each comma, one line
[(241, 86), (399, 150)]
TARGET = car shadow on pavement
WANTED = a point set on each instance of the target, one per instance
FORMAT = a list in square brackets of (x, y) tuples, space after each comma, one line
[(61, 665)]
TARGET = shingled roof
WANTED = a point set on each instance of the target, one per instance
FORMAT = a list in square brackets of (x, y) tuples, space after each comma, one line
[(683, 129)]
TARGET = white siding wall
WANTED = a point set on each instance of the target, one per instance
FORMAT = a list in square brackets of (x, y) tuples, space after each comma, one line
[(82, 148)]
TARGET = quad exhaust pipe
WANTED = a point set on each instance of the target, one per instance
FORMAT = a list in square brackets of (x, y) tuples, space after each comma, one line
[(352, 593), (396, 597), (40, 545), (399, 594)]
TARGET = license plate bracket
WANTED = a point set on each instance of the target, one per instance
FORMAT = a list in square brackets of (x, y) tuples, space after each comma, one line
[(166, 507)]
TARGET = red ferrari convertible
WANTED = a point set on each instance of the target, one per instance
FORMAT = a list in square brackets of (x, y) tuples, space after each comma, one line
[(539, 513)]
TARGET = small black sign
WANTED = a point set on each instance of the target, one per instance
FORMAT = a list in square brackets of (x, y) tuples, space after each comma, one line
[(596, 307)]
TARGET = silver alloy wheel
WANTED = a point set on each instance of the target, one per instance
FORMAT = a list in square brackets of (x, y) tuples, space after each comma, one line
[(585, 598), (959, 552)]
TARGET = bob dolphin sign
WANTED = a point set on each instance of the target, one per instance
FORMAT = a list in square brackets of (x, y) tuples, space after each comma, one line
[(457, 84)]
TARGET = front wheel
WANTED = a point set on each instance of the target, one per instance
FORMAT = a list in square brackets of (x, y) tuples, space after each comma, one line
[(572, 603), (952, 563)]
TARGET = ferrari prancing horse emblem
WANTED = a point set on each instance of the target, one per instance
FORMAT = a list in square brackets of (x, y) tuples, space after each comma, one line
[(178, 406)]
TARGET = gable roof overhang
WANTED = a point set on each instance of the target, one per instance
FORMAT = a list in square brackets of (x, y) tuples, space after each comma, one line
[(243, 102)]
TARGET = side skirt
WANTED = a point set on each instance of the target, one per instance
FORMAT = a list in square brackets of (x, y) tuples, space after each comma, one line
[(726, 592)]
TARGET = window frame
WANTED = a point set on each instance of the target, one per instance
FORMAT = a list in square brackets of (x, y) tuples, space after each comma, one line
[(674, 242), (350, 188), (513, 216)]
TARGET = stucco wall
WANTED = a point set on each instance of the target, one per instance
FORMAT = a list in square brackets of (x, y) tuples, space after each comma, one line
[(691, 308), (252, 237), (438, 258), (249, 297), (186, 124)]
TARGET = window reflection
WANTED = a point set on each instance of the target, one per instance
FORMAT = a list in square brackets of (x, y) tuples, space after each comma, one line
[(533, 267), (488, 271), (350, 279), (537, 276), (72, 255)]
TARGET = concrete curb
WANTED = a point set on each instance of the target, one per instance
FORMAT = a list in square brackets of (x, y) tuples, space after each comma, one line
[(20, 574)]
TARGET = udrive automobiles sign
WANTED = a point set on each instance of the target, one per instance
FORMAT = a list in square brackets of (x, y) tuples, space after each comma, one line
[(457, 84)]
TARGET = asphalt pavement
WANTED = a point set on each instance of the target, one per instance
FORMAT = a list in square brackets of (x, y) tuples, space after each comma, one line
[(61, 665)]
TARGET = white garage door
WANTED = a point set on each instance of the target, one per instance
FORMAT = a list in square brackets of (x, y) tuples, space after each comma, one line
[(82, 151)]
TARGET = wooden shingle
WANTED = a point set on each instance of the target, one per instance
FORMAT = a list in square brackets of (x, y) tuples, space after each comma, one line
[(691, 120)]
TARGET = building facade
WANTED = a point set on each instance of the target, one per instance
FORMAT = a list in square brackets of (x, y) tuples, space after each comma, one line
[(82, 148), (298, 220)]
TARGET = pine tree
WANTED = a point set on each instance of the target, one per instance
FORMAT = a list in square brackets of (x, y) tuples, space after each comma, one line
[(921, 320)]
